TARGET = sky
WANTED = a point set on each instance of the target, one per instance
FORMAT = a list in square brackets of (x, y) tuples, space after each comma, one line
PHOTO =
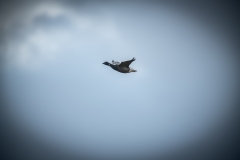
[(60, 92)]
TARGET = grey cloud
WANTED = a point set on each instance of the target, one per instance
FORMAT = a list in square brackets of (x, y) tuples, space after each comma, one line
[(48, 22)]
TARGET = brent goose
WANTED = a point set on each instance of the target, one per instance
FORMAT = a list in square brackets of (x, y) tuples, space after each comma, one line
[(122, 67)]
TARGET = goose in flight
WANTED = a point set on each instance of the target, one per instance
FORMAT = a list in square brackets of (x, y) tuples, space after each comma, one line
[(122, 67)]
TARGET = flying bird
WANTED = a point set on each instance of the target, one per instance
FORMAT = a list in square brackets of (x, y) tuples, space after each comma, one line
[(122, 67)]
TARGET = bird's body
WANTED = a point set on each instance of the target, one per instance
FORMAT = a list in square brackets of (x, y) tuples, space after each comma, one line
[(122, 67)]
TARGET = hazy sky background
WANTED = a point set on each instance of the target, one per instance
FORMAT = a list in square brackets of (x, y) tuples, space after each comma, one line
[(61, 92)]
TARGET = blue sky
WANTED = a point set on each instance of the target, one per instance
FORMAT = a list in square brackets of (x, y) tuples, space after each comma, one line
[(61, 92)]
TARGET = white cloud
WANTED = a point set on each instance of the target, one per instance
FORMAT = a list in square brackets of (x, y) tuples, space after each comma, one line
[(40, 44)]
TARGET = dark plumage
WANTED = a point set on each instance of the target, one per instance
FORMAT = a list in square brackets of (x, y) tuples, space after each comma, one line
[(122, 67)]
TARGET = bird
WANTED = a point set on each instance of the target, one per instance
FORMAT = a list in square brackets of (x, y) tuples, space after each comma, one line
[(122, 67)]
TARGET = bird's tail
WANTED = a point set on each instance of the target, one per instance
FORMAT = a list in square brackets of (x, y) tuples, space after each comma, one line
[(132, 70)]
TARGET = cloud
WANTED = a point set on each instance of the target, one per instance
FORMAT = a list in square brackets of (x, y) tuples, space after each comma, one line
[(49, 30)]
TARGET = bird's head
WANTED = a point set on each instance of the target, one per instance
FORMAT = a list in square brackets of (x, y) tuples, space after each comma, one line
[(106, 63)]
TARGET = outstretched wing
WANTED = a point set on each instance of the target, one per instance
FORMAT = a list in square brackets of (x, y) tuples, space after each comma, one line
[(126, 63)]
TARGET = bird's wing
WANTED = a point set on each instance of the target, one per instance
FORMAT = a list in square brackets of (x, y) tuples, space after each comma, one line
[(126, 63), (115, 62)]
